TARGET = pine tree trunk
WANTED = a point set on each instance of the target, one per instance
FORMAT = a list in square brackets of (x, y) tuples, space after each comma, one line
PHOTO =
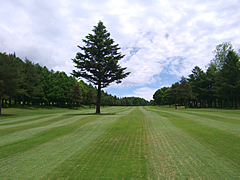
[(98, 100)]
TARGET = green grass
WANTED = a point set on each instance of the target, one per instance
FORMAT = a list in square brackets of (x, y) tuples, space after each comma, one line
[(122, 142)]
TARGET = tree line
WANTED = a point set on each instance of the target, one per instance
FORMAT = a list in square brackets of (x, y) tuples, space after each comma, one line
[(217, 87), (25, 83)]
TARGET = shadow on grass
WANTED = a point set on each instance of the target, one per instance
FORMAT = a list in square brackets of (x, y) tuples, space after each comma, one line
[(7, 115), (90, 114)]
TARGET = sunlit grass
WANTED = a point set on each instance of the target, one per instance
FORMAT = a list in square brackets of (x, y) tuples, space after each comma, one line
[(203, 149), (122, 142)]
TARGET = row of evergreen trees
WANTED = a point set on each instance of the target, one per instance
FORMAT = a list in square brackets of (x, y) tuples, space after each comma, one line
[(25, 83), (219, 86)]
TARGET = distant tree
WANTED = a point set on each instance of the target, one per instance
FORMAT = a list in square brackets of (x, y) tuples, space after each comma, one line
[(123, 102), (76, 95), (211, 75), (30, 86), (84, 88), (91, 97), (175, 93), (161, 96), (110, 100), (220, 53), (165, 98), (170, 96), (61, 88), (185, 91), (132, 101), (218, 77), (98, 63), (46, 84), (129, 102), (158, 97), (9, 75), (201, 85), (118, 102), (230, 77), (105, 101)]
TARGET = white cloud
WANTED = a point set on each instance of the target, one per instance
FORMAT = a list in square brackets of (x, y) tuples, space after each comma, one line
[(168, 36), (143, 92)]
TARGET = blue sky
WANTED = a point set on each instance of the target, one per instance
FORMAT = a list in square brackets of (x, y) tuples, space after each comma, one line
[(162, 40)]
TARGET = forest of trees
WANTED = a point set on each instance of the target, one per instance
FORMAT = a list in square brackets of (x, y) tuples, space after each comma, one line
[(218, 87), (25, 83)]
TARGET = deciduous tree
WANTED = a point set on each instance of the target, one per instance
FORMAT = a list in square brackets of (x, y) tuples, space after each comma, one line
[(220, 53), (158, 97)]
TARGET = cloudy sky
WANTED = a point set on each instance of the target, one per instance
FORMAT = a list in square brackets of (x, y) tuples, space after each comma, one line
[(162, 39)]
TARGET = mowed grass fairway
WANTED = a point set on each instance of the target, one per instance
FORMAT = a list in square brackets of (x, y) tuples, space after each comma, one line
[(122, 142)]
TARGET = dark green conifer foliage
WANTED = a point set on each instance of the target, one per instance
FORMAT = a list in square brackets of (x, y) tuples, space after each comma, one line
[(76, 95), (90, 97), (230, 77), (9, 75), (98, 61), (30, 79)]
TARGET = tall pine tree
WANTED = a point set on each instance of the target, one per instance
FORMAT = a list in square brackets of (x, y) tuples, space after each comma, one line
[(230, 77), (98, 61)]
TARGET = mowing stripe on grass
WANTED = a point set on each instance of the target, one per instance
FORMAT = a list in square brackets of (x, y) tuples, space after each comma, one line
[(44, 135), (41, 121), (122, 142), (35, 122), (231, 126), (222, 123), (19, 120), (224, 141), (36, 129), (188, 156), (120, 152), (229, 118), (32, 121), (41, 159)]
